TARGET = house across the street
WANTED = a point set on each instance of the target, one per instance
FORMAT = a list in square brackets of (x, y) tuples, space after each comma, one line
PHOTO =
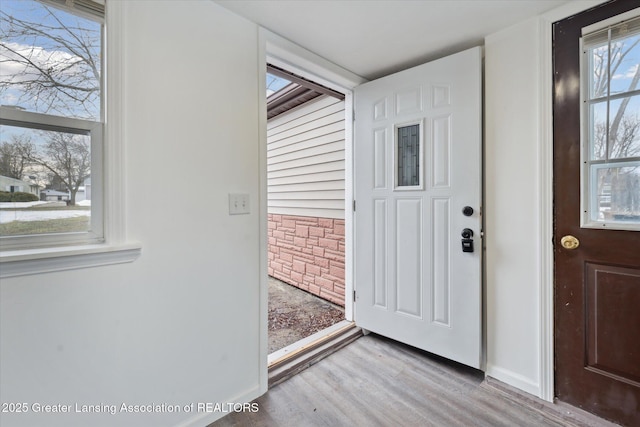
[(13, 185), (54, 196)]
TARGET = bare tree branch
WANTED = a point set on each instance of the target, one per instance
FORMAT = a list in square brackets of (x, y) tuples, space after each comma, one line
[(58, 63)]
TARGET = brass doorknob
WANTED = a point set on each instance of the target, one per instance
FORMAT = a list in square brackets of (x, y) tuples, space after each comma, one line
[(569, 242)]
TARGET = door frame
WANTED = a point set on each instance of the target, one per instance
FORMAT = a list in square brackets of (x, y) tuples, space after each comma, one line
[(283, 53)]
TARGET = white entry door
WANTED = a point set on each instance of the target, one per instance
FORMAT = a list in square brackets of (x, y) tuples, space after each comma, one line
[(417, 187)]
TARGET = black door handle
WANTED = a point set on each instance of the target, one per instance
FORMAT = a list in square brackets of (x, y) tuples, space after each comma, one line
[(467, 240)]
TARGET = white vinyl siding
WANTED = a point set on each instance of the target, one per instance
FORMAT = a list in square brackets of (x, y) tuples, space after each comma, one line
[(305, 160)]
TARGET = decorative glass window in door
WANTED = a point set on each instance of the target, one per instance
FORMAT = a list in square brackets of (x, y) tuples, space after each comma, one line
[(408, 155), (611, 127)]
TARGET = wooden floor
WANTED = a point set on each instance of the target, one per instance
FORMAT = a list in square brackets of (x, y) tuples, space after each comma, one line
[(379, 382)]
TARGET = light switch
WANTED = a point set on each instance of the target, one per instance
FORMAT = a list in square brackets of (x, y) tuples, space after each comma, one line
[(238, 204)]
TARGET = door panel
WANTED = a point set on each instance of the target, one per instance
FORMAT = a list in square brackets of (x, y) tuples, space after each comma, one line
[(417, 165), (612, 302), (597, 284), (408, 246)]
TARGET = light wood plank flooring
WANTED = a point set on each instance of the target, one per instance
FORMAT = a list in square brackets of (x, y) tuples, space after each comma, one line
[(379, 382)]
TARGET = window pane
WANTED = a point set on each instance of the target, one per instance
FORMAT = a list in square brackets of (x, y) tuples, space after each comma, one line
[(624, 128), (611, 182), (598, 76), (625, 54), (409, 156), (45, 181), (616, 194), (598, 130), (50, 59)]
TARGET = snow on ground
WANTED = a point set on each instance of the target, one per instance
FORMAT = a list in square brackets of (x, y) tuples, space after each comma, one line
[(10, 211), (23, 205), (8, 216), (19, 205)]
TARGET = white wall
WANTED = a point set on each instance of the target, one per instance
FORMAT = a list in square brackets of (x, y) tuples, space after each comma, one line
[(511, 204), (518, 202), (306, 160), (179, 325)]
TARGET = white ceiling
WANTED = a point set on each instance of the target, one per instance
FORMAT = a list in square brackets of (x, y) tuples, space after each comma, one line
[(376, 38)]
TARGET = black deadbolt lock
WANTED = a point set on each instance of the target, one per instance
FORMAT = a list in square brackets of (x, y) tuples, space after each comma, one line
[(467, 211), (467, 241)]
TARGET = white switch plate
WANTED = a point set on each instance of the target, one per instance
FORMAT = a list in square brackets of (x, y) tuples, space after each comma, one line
[(238, 204)]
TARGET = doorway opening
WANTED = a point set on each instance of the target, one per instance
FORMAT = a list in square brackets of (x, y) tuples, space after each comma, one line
[(306, 239)]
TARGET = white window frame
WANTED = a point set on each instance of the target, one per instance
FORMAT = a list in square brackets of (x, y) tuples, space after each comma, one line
[(113, 247), (589, 166), (93, 129)]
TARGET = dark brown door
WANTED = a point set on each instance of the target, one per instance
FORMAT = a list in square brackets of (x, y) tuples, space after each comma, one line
[(597, 284)]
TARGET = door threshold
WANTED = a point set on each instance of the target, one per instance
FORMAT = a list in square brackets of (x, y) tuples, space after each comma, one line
[(294, 358)]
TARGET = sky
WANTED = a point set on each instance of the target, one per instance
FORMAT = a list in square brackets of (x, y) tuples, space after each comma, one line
[(275, 83)]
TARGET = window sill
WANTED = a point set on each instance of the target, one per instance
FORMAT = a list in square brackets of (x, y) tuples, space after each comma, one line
[(47, 260)]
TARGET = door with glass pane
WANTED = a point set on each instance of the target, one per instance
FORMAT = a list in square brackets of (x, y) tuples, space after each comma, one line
[(418, 193), (597, 211)]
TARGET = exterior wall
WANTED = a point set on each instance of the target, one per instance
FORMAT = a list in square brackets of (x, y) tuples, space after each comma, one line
[(56, 197), (182, 323), (306, 187), (306, 160), (308, 252), (22, 186), (80, 194)]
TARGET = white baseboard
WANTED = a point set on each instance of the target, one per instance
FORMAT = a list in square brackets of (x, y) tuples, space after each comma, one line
[(204, 419), (513, 379)]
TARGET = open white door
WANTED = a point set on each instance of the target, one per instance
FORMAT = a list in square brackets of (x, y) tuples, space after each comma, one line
[(418, 186)]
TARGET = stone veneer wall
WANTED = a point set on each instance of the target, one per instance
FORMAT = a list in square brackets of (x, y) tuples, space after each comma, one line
[(308, 253)]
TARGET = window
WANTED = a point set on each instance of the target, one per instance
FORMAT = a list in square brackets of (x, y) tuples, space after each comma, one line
[(408, 154), (51, 122), (611, 127)]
